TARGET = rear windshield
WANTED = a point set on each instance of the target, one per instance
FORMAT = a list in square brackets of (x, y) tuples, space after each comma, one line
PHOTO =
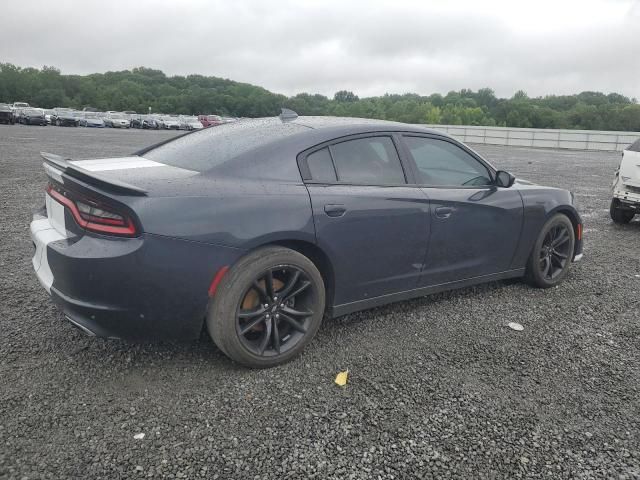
[(635, 146), (213, 146)]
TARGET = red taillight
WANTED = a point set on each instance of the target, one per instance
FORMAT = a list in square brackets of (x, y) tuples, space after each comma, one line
[(92, 215), (579, 231)]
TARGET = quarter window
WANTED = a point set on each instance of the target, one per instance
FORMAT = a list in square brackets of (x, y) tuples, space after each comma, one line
[(372, 161), (321, 166), (441, 163)]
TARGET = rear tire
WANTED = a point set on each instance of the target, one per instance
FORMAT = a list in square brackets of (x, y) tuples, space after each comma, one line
[(248, 321), (620, 215), (552, 253)]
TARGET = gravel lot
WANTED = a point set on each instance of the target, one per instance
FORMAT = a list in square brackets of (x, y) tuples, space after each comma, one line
[(438, 387)]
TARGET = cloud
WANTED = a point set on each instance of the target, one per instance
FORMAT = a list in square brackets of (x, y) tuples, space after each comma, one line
[(370, 47)]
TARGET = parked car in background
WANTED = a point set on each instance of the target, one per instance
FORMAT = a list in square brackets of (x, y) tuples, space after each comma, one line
[(33, 116), (626, 186), (169, 122), (144, 122), (210, 120), (117, 120), (90, 119), (260, 229), (189, 123), (136, 122), (6, 114), (64, 117), (20, 105), (151, 123), (47, 115), (229, 119)]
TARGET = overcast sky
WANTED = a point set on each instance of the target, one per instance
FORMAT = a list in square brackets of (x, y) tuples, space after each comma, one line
[(321, 46)]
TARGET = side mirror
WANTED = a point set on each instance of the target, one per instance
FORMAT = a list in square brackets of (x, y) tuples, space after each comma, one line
[(504, 179)]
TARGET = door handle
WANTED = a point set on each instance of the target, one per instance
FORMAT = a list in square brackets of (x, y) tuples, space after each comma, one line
[(444, 212), (335, 210)]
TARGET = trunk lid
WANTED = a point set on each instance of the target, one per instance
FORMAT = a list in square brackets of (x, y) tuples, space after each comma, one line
[(130, 176)]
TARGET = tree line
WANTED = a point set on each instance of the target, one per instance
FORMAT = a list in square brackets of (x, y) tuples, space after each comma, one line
[(142, 88)]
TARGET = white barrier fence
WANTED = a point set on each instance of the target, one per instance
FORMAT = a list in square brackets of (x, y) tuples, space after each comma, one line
[(540, 138)]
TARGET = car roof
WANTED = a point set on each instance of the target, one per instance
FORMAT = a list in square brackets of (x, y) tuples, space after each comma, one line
[(353, 125), (318, 127)]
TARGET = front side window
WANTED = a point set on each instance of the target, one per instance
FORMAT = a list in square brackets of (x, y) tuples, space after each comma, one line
[(372, 161), (441, 163)]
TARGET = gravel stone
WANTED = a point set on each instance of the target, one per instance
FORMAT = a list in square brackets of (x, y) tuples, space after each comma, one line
[(438, 387)]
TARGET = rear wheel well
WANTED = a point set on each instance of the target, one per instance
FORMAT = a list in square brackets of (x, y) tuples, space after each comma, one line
[(319, 259)]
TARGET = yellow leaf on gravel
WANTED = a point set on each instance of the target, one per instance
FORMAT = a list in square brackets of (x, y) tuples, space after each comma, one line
[(341, 378)]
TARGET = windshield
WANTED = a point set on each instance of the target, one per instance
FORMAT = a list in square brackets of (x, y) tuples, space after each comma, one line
[(90, 115), (210, 147), (33, 112), (215, 118), (117, 116)]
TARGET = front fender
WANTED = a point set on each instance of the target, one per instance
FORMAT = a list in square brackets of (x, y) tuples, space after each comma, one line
[(540, 204)]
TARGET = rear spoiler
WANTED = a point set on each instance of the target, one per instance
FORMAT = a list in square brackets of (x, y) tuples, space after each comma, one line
[(117, 186)]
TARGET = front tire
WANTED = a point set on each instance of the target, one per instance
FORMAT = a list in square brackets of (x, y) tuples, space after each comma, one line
[(552, 253), (620, 215), (267, 307)]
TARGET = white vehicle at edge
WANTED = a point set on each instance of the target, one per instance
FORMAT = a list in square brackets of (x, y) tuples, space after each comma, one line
[(626, 186), (189, 123)]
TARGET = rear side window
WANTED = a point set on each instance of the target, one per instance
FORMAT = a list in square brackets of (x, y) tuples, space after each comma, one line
[(441, 163), (321, 166), (372, 160)]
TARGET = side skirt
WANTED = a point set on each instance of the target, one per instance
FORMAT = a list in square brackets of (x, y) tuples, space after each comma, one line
[(339, 310)]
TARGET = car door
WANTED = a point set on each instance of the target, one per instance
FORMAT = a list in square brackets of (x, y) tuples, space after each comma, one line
[(372, 225), (475, 225)]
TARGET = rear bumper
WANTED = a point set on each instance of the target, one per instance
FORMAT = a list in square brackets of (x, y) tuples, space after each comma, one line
[(144, 288)]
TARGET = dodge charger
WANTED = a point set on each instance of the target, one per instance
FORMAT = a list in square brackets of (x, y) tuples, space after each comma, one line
[(258, 230)]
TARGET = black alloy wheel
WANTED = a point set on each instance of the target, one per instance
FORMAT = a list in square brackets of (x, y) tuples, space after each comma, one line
[(275, 312), (552, 253), (267, 307), (555, 251)]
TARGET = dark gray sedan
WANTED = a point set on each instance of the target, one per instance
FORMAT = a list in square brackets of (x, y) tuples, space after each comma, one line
[(256, 230)]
